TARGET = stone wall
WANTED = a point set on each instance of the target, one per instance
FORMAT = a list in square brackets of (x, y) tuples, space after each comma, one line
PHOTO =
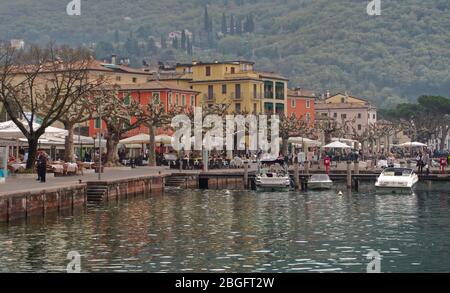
[(38, 203)]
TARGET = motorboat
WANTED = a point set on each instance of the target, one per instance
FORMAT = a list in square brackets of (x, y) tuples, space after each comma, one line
[(272, 175), (397, 180), (320, 182)]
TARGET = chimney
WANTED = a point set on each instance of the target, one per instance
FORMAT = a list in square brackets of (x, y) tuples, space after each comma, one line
[(114, 59), (328, 94)]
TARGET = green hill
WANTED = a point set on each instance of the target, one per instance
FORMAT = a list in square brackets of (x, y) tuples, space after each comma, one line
[(318, 44)]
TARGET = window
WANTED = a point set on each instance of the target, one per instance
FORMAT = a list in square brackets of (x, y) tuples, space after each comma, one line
[(335, 115), (359, 127), (255, 88), (238, 91), (308, 117), (183, 100), (169, 100), (374, 116), (97, 123), (344, 116), (308, 104), (268, 90), (238, 107), (359, 115), (224, 89), (233, 70), (127, 100), (279, 90), (210, 92), (176, 99), (156, 99), (324, 114), (208, 70), (118, 78), (255, 108), (279, 109), (134, 79), (192, 100), (293, 103)]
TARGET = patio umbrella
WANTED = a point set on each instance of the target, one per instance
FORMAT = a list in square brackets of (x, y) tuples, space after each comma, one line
[(337, 145), (413, 144), (303, 140), (163, 138), (137, 139), (9, 129)]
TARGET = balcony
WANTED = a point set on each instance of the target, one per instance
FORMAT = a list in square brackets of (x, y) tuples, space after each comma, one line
[(236, 96), (209, 97)]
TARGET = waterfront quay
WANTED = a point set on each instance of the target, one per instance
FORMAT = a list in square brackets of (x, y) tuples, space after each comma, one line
[(23, 197)]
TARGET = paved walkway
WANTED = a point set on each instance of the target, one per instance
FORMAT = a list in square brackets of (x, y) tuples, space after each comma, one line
[(18, 184)]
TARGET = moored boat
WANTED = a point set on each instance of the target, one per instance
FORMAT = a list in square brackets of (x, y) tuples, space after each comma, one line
[(272, 175), (320, 182), (397, 180)]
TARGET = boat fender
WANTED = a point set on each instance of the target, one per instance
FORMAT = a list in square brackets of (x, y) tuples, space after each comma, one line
[(340, 193)]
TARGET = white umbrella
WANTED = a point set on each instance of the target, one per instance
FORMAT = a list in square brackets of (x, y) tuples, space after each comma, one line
[(9, 129), (164, 139), (137, 139), (337, 145), (413, 144), (303, 140)]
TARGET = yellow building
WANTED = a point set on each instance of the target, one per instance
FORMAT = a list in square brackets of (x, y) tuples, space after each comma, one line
[(237, 84)]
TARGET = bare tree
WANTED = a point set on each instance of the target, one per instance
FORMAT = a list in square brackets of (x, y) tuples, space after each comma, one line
[(157, 116), (331, 127), (293, 126), (44, 83), (120, 115)]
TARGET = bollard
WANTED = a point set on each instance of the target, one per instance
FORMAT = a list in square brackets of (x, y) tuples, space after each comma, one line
[(296, 176), (356, 167), (349, 174), (245, 175)]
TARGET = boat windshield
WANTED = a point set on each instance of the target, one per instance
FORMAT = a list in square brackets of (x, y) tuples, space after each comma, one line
[(397, 172), (320, 177)]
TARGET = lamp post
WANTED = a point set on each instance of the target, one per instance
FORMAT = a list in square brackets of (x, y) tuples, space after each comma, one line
[(99, 108)]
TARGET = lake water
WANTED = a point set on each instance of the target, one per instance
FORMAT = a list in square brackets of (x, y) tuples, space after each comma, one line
[(241, 231)]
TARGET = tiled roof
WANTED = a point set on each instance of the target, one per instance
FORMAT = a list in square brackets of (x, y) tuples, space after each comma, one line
[(155, 85)]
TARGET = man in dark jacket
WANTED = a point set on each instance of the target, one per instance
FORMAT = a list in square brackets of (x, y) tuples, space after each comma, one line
[(42, 166)]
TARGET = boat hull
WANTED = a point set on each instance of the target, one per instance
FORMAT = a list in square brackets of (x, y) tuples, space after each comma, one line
[(320, 185)]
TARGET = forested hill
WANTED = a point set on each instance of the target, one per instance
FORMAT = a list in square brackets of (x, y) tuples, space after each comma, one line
[(318, 44)]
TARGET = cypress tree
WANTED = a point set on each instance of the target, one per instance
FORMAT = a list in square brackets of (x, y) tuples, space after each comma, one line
[(175, 43), (163, 42), (224, 24), (232, 28), (206, 19), (183, 40)]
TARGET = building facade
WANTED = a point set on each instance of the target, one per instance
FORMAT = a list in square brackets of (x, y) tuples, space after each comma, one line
[(166, 93), (343, 107), (301, 103), (237, 85)]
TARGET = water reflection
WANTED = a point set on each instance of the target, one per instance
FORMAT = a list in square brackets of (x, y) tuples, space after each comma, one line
[(238, 231)]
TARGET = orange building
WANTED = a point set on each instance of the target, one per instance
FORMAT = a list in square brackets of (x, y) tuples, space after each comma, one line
[(301, 103), (167, 93)]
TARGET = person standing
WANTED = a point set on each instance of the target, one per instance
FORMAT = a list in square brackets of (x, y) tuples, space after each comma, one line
[(42, 166), (419, 163), (37, 165), (426, 162)]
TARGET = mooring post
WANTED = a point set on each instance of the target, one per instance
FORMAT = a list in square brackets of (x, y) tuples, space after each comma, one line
[(296, 176), (356, 167), (349, 174), (245, 175)]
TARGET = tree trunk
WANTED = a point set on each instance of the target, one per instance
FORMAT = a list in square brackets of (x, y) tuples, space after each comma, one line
[(152, 146), (32, 152), (443, 138), (284, 146), (69, 154), (111, 150)]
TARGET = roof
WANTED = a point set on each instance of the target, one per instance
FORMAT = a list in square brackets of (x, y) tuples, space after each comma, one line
[(155, 85), (322, 106), (271, 75), (301, 93), (347, 95), (97, 65), (235, 62)]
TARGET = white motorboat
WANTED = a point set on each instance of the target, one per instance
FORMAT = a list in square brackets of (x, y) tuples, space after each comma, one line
[(272, 175), (320, 182), (397, 180)]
